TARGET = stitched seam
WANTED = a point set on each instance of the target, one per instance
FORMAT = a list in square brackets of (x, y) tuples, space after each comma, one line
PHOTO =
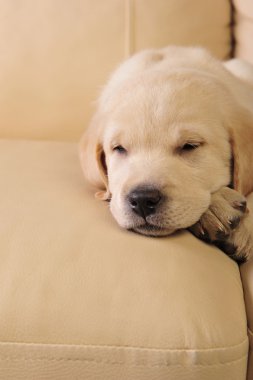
[(131, 347), (122, 363)]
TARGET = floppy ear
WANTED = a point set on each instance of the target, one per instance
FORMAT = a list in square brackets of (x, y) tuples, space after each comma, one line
[(242, 149), (93, 160)]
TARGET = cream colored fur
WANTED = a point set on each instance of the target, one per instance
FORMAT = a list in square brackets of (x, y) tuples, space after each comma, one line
[(154, 104)]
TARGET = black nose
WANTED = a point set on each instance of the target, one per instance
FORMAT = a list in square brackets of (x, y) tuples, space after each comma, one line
[(144, 202)]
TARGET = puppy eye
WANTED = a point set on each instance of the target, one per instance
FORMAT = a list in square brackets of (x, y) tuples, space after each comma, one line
[(187, 147), (120, 149)]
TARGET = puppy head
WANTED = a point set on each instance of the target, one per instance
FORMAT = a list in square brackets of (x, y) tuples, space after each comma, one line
[(159, 146)]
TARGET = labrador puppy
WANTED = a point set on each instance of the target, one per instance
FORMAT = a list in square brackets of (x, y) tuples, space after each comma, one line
[(171, 146)]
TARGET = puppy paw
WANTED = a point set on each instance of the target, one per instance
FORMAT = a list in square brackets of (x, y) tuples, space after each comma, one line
[(222, 224), (239, 245)]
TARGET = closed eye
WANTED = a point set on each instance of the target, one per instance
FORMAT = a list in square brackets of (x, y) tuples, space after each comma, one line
[(189, 146), (120, 149)]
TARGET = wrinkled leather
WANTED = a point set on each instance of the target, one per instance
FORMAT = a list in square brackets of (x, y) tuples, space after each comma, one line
[(64, 362)]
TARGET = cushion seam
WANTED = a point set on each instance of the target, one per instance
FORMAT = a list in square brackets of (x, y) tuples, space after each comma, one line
[(126, 346), (8, 358)]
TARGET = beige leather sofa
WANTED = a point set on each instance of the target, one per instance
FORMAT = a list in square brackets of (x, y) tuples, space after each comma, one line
[(79, 297)]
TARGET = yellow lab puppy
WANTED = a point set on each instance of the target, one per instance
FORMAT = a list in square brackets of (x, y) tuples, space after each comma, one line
[(173, 132)]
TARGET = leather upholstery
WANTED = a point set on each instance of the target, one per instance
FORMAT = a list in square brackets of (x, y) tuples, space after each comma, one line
[(244, 29), (57, 54), (80, 296), (247, 280)]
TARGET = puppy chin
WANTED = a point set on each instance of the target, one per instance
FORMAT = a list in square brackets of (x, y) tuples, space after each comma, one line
[(153, 231), (145, 229)]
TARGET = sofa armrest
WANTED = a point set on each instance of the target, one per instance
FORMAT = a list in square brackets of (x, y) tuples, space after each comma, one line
[(247, 279), (243, 29)]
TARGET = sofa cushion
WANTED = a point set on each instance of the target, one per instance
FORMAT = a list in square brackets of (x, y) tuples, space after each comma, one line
[(247, 280), (55, 55), (82, 298), (244, 29)]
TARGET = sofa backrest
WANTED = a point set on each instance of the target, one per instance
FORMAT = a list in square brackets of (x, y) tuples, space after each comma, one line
[(56, 54)]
